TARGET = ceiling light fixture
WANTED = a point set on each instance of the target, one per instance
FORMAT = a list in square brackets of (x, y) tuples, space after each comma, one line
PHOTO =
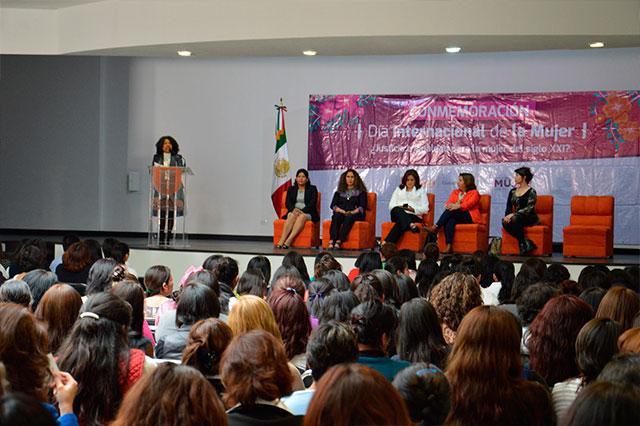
[(596, 44), (453, 49), (184, 53), (309, 53)]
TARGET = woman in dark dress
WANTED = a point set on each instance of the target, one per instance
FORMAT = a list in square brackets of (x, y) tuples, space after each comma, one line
[(166, 155), (349, 204), (521, 209), (301, 206)]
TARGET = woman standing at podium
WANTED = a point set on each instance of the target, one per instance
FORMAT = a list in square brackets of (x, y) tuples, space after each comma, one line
[(166, 155)]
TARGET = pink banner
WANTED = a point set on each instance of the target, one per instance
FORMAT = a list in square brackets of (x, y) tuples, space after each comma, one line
[(368, 131)]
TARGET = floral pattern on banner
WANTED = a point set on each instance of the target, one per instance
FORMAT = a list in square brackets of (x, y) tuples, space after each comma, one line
[(611, 110), (346, 110)]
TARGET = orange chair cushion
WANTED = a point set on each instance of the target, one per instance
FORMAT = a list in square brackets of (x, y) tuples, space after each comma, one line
[(310, 234), (410, 240), (363, 232)]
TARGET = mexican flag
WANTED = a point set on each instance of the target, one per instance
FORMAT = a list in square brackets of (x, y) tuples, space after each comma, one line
[(281, 180)]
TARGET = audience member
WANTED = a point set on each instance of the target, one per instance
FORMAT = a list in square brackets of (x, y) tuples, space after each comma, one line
[(624, 369), (330, 344), (452, 298), (67, 240), (426, 392), (139, 335), (338, 307), (620, 304), (206, 343), (57, 311), (529, 304), (159, 284), (96, 354), (171, 395), (15, 291), (354, 394), (407, 289), (629, 341), (325, 264), (485, 373), (427, 270), (419, 336), (76, 262), (252, 282), (596, 344), (197, 302), (226, 271), (605, 403), (338, 279), (295, 259), (102, 275), (552, 338), (593, 296), (373, 323), (262, 264), (319, 290), (39, 281), (431, 251), (293, 321), (289, 281), (255, 375)]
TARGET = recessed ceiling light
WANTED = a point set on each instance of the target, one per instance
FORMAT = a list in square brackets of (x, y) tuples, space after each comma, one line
[(596, 44), (184, 53), (453, 49), (309, 53)]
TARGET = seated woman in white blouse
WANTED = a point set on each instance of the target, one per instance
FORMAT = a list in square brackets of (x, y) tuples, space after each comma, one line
[(408, 204)]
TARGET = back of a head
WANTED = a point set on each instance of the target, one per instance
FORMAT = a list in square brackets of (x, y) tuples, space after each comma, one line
[(17, 409), (95, 249), (370, 321), (255, 365), (325, 264), (252, 313), (556, 273), (39, 281), (58, 309), (431, 251), (155, 277), (205, 345), (593, 296), (407, 289), (533, 299), (93, 353), (410, 257), (427, 270), (252, 282), (69, 239), (107, 246), (396, 265), (15, 291), (454, 296), (629, 341), (288, 280), (197, 301), (620, 304), (372, 280), (319, 290), (419, 336), (207, 278), (29, 257), (330, 344), (338, 279), (23, 350), (120, 252), (338, 306), (531, 272), (370, 261), (77, 257), (596, 344), (623, 369), (293, 320), (132, 293), (295, 259), (505, 274), (388, 284), (605, 403), (552, 337), (210, 262), (101, 275), (172, 394), (262, 264), (226, 270), (353, 394), (592, 277), (388, 250), (426, 391)]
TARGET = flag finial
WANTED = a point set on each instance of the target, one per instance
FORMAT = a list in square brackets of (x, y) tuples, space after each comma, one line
[(281, 106)]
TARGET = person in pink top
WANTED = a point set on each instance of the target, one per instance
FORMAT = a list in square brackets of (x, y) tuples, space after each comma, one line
[(463, 206)]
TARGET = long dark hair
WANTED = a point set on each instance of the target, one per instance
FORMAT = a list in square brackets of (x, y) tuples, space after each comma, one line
[(358, 184), (410, 172), (419, 335), (93, 354), (101, 275), (175, 148), (296, 260)]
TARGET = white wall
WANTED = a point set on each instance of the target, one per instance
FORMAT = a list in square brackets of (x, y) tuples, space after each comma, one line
[(221, 112)]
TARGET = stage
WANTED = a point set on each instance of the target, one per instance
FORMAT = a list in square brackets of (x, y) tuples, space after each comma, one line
[(199, 247)]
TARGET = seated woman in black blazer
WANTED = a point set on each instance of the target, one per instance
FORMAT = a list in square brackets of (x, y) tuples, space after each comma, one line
[(301, 206), (348, 204)]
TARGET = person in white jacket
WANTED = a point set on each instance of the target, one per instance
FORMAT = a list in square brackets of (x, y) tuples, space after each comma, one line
[(408, 204)]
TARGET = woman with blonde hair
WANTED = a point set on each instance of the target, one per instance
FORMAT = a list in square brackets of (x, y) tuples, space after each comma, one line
[(253, 313)]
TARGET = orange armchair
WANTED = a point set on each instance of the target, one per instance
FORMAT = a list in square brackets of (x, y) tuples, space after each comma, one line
[(310, 234), (590, 230), (470, 237), (363, 233), (541, 234), (409, 240)]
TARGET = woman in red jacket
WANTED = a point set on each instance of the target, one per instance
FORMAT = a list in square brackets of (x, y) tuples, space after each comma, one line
[(463, 206)]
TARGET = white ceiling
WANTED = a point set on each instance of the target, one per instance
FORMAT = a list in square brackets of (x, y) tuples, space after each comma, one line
[(231, 28)]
